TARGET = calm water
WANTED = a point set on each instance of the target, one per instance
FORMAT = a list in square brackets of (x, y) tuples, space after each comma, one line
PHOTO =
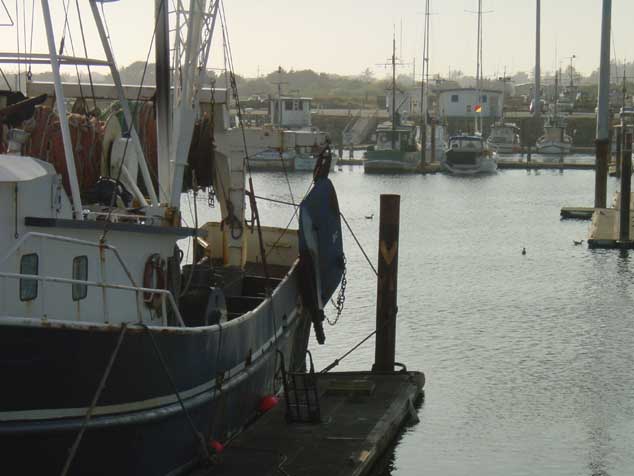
[(529, 359)]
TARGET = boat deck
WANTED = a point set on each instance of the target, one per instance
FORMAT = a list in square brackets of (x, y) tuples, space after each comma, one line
[(361, 414)]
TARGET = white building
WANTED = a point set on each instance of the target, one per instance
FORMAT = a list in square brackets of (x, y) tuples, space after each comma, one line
[(462, 103), (290, 112)]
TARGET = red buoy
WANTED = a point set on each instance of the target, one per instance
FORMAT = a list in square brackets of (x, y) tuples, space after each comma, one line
[(267, 403), (216, 446)]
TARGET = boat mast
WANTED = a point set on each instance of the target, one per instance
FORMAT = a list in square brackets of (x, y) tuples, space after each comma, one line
[(394, 91), (478, 115), (60, 103), (162, 98), (537, 106), (424, 106)]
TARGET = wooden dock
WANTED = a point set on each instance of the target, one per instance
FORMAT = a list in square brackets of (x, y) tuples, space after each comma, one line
[(604, 229), (361, 414), (576, 213), (512, 164)]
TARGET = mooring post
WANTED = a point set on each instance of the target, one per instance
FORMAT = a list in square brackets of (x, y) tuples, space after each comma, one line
[(601, 173), (432, 143), (528, 155), (386, 305), (619, 150), (626, 188)]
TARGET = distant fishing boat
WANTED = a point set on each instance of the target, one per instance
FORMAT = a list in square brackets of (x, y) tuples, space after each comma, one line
[(395, 150), (555, 140), (504, 138)]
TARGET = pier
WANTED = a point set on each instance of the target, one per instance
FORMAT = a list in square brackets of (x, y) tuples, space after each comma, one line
[(361, 415)]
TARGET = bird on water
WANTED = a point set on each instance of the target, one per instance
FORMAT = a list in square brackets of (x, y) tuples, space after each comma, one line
[(577, 242), (369, 217), (523, 251)]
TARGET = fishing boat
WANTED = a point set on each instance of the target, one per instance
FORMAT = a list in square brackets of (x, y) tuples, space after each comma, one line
[(117, 357), (468, 154), (504, 138), (298, 141), (554, 140), (395, 150)]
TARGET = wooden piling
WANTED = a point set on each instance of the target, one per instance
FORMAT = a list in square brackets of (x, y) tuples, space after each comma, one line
[(626, 188), (619, 150), (601, 173), (433, 142), (386, 305)]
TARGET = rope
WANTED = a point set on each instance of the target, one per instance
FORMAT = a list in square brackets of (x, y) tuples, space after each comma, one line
[(196, 433), (83, 39), (95, 399), (358, 244), (354, 347)]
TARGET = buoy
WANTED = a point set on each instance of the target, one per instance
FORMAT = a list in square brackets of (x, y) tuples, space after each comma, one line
[(216, 446), (268, 402)]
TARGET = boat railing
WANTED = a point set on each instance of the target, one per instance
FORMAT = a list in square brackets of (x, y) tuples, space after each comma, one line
[(165, 294), (101, 249)]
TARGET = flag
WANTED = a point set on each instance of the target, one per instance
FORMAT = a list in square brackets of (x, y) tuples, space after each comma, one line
[(477, 108)]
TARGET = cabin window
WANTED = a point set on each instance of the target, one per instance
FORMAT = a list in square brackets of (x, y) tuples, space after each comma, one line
[(300, 106), (80, 273), (484, 98), (288, 105), (28, 287), (454, 98), (468, 107)]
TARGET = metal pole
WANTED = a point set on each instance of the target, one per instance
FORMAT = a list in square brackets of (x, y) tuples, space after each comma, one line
[(537, 104), (626, 189), (619, 150), (145, 173), (162, 101), (432, 144), (63, 117), (386, 305), (602, 138)]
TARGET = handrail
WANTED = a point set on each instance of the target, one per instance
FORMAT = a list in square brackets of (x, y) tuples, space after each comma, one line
[(167, 294), (67, 239)]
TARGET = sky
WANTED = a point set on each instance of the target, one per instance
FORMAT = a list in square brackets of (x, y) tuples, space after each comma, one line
[(347, 36)]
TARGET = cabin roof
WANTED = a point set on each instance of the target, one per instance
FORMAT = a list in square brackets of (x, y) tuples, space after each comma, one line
[(16, 168), (471, 90)]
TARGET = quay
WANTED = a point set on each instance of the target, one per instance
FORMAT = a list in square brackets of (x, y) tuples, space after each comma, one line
[(576, 213), (361, 415), (503, 164)]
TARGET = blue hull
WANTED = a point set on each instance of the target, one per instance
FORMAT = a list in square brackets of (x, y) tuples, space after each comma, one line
[(51, 372)]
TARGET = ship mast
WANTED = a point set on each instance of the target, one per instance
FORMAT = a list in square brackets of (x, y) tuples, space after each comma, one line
[(162, 98), (394, 91), (424, 107), (537, 106), (478, 115)]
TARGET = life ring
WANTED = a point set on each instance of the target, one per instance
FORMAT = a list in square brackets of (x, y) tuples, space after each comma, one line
[(153, 278)]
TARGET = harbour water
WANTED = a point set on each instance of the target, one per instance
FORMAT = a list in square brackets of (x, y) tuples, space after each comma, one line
[(529, 358)]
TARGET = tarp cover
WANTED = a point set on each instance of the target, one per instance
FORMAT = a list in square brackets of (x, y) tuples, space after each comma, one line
[(320, 237)]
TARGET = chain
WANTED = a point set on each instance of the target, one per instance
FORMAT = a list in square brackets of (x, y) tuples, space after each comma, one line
[(341, 297)]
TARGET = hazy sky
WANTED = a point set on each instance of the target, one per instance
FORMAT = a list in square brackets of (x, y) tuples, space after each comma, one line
[(348, 36)]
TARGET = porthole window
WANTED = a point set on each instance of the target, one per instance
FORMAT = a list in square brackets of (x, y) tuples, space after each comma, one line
[(28, 287), (80, 273)]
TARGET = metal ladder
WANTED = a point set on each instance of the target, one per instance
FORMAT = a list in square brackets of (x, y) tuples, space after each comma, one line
[(301, 394)]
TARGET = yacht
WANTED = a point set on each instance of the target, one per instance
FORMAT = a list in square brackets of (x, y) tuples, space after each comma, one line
[(468, 155)]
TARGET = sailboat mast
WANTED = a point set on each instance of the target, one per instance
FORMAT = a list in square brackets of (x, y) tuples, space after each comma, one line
[(394, 91), (557, 73), (478, 66), (424, 81), (537, 101), (162, 101)]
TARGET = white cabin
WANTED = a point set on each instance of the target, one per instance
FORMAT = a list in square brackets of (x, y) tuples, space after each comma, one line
[(290, 112), (462, 103)]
